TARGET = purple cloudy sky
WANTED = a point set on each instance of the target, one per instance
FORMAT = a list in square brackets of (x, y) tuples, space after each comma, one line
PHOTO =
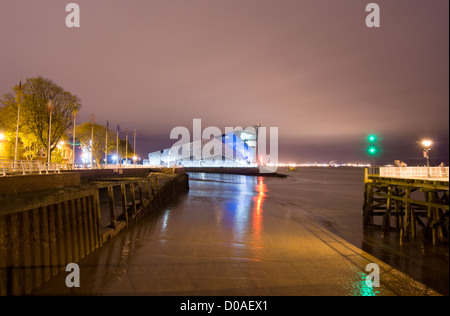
[(311, 68)]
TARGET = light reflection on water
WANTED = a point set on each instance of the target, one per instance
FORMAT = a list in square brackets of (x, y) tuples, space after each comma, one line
[(359, 287), (244, 211)]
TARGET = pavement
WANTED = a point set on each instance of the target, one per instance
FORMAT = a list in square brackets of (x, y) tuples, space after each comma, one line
[(195, 248)]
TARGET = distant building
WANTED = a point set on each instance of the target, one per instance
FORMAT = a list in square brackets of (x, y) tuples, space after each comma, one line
[(237, 148)]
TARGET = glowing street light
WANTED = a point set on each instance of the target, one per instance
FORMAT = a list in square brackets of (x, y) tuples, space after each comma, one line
[(426, 143), (2, 136)]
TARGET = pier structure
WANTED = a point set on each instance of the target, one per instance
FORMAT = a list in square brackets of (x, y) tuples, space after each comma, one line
[(50, 220), (407, 199)]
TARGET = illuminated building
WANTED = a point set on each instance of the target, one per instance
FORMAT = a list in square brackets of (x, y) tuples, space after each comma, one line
[(233, 149)]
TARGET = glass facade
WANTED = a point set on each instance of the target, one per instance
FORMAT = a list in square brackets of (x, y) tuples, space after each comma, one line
[(232, 149)]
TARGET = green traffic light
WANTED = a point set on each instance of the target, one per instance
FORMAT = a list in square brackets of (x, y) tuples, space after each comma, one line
[(372, 150), (372, 138)]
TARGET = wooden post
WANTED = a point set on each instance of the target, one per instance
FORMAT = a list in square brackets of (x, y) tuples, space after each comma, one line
[(75, 231), (52, 238), (60, 237), (368, 205), (80, 228), (112, 215), (3, 257), (97, 218), (91, 222), (68, 238), (133, 199), (141, 194), (85, 226), (387, 215), (37, 246), (124, 203), (26, 258), (404, 233), (147, 190), (45, 254)]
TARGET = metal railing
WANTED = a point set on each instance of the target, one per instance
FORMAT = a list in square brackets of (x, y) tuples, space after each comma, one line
[(14, 167), (432, 173)]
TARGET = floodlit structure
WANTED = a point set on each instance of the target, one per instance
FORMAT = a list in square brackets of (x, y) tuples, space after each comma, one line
[(232, 149)]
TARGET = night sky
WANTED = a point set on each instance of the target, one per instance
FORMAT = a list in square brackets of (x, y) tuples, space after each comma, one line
[(311, 68)]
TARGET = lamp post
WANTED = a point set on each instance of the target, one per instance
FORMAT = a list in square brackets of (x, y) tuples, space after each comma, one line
[(73, 141), (126, 147), (50, 108), (17, 125), (426, 149), (134, 155)]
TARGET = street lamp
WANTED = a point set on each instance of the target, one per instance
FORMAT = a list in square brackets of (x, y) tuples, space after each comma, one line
[(73, 136), (17, 125), (426, 149), (50, 108)]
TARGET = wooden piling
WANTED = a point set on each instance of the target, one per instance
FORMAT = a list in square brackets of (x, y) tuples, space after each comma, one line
[(389, 197)]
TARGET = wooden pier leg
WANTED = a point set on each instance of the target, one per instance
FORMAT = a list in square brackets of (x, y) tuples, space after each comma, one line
[(52, 239), (96, 215), (158, 190), (404, 235), (27, 259), (14, 275), (147, 190), (112, 207), (133, 199), (124, 203), (68, 234), (45, 249), (81, 229), (387, 215), (397, 208), (84, 221), (60, 238), (141, 194), (368, 207), (75, 239), (3, 257), (36, 249), (90, 222)]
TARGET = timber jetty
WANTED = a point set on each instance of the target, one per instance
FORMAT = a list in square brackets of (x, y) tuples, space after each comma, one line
[(50, 220), (408, 198)]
